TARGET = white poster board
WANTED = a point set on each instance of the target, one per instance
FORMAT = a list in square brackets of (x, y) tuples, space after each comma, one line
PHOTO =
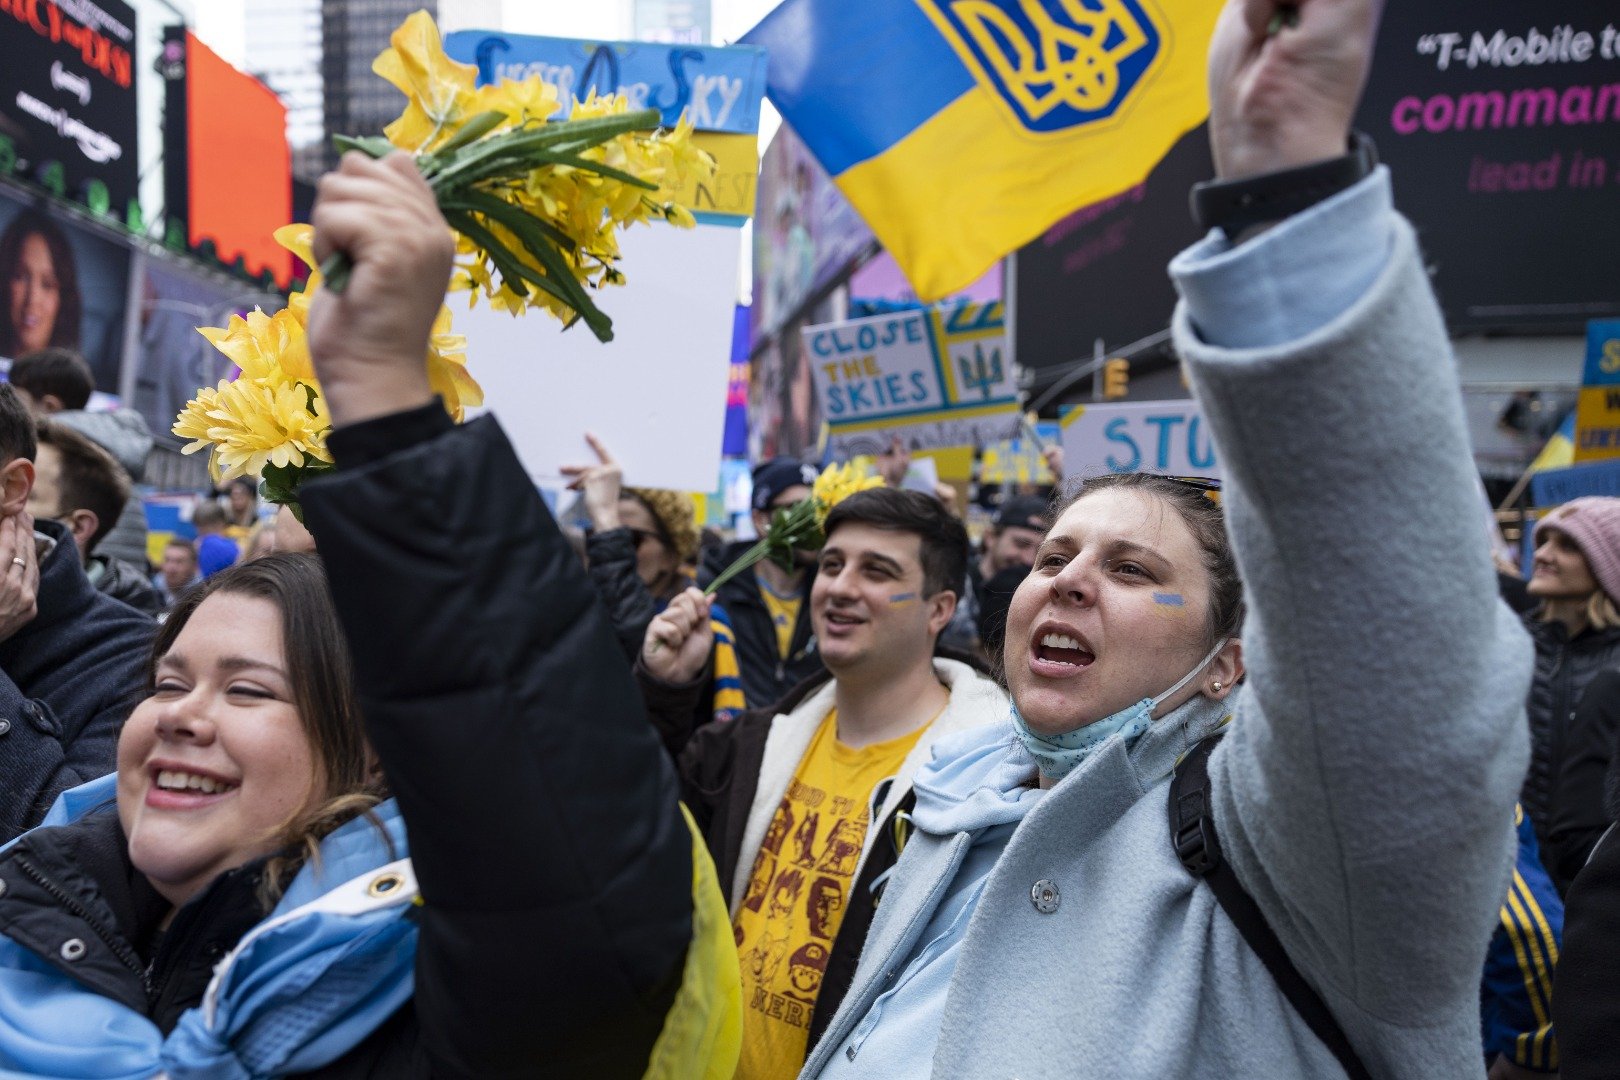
[(1169, 437), (935, 377), (655, 395)]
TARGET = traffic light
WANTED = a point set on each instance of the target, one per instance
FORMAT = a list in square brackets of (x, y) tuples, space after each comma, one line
[(1116, 378)]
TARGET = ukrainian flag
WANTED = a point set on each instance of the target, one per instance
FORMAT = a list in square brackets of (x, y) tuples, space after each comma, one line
[(1559, 453), (962, 129)]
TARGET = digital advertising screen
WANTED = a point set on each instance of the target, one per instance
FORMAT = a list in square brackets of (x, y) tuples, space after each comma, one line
[(67, 98), (63, 283), (227, 159)]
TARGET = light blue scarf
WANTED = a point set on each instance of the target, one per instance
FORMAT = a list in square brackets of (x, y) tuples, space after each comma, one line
[(1059, 755), (333, 961)]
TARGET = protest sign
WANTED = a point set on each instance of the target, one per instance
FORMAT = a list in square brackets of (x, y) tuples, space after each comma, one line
[(1597, 410), (655, 394), (1168, 437), (717, 88), (935, 377), (1555, 486)]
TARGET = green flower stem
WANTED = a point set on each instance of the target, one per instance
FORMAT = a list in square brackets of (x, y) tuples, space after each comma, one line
[(475, 157), (744, 561)]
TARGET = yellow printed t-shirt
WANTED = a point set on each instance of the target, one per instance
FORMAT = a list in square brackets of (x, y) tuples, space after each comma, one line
[(784, 612), (796, 894)]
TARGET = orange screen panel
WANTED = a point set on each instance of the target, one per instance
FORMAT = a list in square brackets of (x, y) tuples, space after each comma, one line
[(240, 168)]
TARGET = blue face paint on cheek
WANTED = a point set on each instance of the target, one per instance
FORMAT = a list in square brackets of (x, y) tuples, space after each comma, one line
[(902, 598), (1169, 604)]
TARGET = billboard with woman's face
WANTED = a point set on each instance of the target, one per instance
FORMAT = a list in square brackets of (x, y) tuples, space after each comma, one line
[(61, 284)]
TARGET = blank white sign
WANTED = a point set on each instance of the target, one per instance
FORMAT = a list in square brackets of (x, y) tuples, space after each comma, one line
[(655, 394)]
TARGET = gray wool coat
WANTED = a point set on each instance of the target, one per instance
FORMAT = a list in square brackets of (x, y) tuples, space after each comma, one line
[(1365, 791)]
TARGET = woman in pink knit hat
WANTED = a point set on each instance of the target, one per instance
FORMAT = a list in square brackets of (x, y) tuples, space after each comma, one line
[(1576, 629)]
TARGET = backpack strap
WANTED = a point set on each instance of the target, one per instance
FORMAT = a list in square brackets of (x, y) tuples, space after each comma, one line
[(1192, 832)]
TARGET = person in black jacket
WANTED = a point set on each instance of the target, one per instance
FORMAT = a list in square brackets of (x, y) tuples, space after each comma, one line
[(1576, 629), (640, 541), (766, 608), (1586, 996), (70, 658), (555, 929), (79, 484)]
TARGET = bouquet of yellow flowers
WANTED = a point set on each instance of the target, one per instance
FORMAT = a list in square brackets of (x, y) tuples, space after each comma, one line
[(536, 203), (800, 525), (271, 421)]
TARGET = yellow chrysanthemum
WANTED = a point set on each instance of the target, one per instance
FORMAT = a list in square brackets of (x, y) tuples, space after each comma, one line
[(837, 483), (265, 347), (246, 425)]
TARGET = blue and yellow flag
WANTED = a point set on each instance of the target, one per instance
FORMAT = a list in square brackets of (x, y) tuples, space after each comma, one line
[(961, 129)]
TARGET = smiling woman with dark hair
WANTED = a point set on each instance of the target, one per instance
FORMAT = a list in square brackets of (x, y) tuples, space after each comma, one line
[(40, 304)]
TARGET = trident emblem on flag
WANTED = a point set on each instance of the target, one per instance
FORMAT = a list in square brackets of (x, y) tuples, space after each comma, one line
[(1057, 64)]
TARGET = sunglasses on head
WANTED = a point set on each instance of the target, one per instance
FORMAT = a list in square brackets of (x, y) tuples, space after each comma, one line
[(1208, 486)]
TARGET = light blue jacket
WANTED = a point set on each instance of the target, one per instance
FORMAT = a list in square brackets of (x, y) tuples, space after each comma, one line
[(323, 971), (1364, 794)]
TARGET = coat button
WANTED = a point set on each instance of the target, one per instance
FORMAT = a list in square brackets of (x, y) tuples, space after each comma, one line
[(2, 886), (5, 726), (1044, 895), (73, 949)]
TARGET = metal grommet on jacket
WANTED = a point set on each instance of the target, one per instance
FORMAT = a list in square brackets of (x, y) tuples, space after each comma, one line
[(1045, 896), (73, 949), (384, 885), (5, 726)]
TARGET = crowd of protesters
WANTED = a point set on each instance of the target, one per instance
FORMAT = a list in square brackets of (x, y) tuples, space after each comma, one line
[(1158, 777)]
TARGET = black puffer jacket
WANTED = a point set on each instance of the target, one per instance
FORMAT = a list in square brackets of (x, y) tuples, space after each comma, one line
[(1564, 667), (554, 866), (611, 555)]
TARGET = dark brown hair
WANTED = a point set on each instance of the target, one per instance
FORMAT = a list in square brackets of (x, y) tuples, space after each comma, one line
[(1202, 516), (322, 681), (944, 550), (69, 308), (58, 371), (90, 478)]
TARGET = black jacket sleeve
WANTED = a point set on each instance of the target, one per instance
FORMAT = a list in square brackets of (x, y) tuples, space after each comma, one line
[(677, 710), (1586, 995), (1578, 814), (612, 558), (554, 865)]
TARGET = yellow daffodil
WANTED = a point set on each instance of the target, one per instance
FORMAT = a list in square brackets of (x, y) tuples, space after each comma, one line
[(837, 483), (439, 91), (447, 369), (300, 240)]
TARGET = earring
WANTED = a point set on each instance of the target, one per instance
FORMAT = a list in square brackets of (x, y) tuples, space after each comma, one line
[(1217, 686)]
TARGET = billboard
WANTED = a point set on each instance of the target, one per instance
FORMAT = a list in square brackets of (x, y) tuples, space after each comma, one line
[(227, 165), (175, 360), (1502, 131), (806, 234), (67, 99), (65, 284)]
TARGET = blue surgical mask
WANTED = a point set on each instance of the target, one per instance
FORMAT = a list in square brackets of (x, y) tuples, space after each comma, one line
[(1059, 755)]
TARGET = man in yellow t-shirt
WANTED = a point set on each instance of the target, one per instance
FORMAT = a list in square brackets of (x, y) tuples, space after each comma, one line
[(795, 899), (800, 803)]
